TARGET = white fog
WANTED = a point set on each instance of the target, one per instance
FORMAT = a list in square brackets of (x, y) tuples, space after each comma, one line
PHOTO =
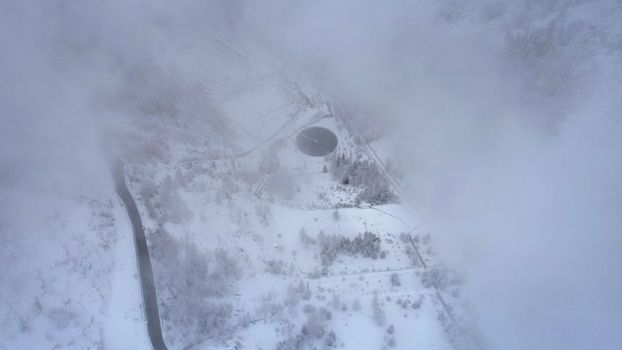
[(268, 174)]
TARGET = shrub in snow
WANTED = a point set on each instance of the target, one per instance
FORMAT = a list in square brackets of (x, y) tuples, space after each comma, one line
[(275, 267), (391, 342), (440, 277), (377, 312), (302, 291), (61, 317), (336, 215), (293, 343), (335, 302), (331, 340), (305, 238), (417, 239), (228, 187), (356, 305), (264, 213), (395, 280), (404, 237), (417, 304)]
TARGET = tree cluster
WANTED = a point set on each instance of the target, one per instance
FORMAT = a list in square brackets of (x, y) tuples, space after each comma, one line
[(363, 174), (366, 245), (193, 287)]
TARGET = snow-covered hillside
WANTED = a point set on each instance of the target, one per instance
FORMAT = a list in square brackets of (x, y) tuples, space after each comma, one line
[(69, 272)]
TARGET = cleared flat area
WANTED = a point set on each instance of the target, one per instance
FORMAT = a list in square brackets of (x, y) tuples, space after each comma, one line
[(316, 141)]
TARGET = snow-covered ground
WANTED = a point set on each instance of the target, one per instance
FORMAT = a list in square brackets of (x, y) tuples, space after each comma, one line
[(254, 244), (69, 268), (271, 235)]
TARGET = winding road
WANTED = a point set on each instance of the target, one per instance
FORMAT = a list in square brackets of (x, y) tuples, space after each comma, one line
[(147, 283)]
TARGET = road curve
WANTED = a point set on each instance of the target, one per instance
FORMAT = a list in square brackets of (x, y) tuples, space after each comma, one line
[(147, 283)]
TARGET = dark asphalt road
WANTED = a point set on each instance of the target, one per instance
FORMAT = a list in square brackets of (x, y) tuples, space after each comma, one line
[(147, 283)]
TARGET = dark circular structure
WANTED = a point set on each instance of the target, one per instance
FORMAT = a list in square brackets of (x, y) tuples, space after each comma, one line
[(316, 141)]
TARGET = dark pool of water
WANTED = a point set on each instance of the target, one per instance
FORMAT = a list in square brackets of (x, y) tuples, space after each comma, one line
[(316, 141)]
